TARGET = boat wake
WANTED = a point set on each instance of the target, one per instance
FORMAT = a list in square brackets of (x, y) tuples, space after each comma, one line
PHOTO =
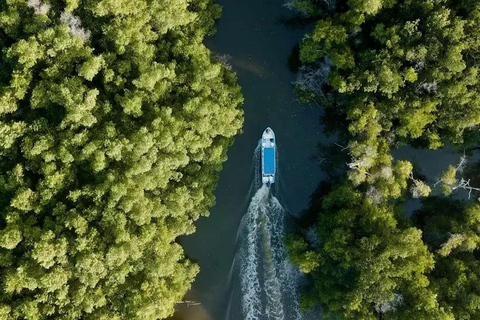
[(268, 282)]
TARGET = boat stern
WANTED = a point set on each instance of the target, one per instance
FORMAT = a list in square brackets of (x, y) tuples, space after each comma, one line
[(268, 179)]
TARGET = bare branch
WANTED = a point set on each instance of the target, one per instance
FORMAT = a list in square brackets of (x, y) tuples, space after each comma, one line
[(429, 87), (313, 77), (75, 25), (452, 182), (374, 194), (465, 184), (386, 306), (189, 303), (461, 165), (224, 59), (39, 7), (343, 148)]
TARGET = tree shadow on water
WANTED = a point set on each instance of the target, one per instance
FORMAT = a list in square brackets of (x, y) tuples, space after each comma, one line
[(297, 21), (293, 61)]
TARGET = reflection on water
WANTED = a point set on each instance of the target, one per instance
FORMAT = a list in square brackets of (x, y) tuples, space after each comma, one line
[(192, 311), (252, 66)]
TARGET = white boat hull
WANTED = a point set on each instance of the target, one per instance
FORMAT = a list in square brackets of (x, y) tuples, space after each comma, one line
[(268, 157)]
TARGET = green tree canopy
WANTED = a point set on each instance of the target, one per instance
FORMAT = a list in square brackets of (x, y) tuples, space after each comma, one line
[(413, 61), (395, 72), (452, 232), (366, 264), (114, 123), (398, 71)]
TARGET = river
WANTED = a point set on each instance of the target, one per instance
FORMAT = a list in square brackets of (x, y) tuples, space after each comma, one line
[(254, 35), (259, 42)]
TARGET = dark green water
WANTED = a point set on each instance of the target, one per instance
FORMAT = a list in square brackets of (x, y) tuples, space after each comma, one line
[(259, 42), (254, 34)]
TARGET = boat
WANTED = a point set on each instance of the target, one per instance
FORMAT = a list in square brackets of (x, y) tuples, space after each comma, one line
[(268, 157)]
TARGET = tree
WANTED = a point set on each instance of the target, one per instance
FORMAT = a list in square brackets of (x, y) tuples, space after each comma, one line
[(367, 264), (394, 62), (114, 123), (452, 233), (398, 72)]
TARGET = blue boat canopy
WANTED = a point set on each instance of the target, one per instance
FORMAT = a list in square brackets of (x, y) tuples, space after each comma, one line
[(269, 160)]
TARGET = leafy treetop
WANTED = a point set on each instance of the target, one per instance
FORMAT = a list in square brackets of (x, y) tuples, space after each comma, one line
[(114, 123)]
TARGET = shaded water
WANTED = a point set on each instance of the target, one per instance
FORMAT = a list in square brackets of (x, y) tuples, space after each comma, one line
[(253, 34)]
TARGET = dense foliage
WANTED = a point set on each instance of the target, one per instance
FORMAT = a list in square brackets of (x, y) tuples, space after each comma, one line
[(413, 62), (365, 263), (452, 232), (394, 72), (397, 70), (114, 123)]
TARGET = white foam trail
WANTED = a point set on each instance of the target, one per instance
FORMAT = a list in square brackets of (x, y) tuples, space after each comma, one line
[(288, 275), (269, 283), (274, 306), (250, 282)]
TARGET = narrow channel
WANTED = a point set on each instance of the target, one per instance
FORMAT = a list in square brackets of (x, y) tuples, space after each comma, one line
[(258, 40)]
